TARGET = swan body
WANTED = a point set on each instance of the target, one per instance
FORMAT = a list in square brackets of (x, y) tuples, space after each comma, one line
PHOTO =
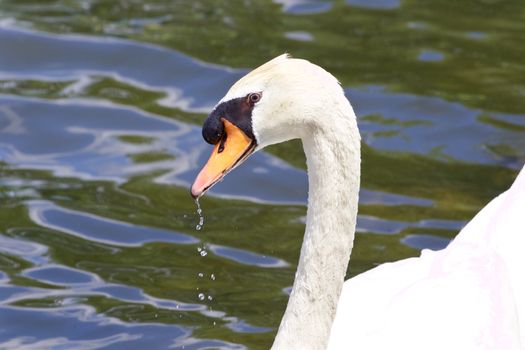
[(470, 295)]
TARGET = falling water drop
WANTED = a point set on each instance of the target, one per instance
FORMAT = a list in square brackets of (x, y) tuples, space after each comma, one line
[(198, 227), (202, 250)]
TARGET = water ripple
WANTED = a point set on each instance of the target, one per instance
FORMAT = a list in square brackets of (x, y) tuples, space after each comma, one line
[(60, 275), (435, 127), (246, 257), (86, 329), (167, 70), (22, 248), (425, 241), (99, 229)]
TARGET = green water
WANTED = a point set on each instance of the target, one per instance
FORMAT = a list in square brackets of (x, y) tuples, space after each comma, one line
[(101, 104)]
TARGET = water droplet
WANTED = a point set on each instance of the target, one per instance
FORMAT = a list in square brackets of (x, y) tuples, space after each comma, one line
[(201, 274), (202, 251), (210, 297), (199, 226), (212, 277), (201, 296)]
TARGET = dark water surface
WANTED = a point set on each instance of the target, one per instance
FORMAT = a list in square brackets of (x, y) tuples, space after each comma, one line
[(100, 110)]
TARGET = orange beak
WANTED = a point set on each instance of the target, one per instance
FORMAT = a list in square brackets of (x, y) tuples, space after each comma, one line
[(231, 151)]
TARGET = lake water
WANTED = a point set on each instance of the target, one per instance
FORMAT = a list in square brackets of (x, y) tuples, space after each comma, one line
[(101, 104)]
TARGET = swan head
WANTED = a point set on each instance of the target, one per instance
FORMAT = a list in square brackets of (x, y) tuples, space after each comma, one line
[(281, 100)]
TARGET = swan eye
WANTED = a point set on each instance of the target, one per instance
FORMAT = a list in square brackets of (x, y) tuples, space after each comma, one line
[(254, 97)]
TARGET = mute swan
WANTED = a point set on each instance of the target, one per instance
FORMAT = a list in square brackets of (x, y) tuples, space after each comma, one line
[(470, 295)]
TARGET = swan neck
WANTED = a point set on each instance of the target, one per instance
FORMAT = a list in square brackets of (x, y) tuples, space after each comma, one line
[(333, 160)]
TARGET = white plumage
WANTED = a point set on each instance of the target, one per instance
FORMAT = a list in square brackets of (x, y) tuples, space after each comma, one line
[(470, 295)]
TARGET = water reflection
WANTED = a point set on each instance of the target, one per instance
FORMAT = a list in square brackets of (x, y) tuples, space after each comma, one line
[(304, 7), (90, 58), (375, 4), (98, 229), (246, 257), (424, 241)]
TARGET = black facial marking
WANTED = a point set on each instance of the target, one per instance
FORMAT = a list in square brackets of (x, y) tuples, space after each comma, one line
[(212, 129), (237, 111)]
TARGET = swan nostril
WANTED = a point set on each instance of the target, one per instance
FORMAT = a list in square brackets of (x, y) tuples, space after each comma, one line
[(223, 141)]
